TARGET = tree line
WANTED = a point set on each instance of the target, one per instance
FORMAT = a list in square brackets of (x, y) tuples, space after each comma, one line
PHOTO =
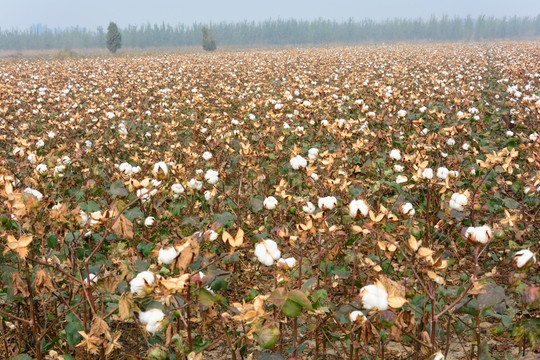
[(280, 32)]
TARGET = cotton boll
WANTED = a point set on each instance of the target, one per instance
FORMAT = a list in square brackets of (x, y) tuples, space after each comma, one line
[(314, 176), (93, 279), (358, 206), (427, 173), (312, 153), (267, 251), (398, 168), (40, 143), (478, 235), (34, 193), (308, 208), (374, 297), (270, 203), (167, 255), (442, 173), (402, 113), (41, 169), (211, 176), (288, 263), (395, 154), (523, 259), (207, 155), (298, 162), (458, 201), (466, 146), (327, 202), (401, 179), (450, 142), (149, 221), (153, 319), (357, 317), (195, 184), (160, 168), (142, 283), (177, 189), (407, 209)]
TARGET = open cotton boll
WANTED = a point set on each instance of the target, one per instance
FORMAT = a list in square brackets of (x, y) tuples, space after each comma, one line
[(149, 221), (195, 184), (288, 263), (270, 203), (207, 155), (450, 142), (458, 201), (402, 113), (142, 283), (125, 168), (153, 319), (211, 176), (162, 167), (357, 317), (309, 208), (167, 255), (427, 173), (374, 297), (478, 235), (33, 192), (401, 179), (177, 189), (298, 162), (312, 153), (442, 173), (327, 202), (407, 209), (358, 206), (398, 168), (41, 169), (267, 251), (93, 279), (523, 259), (395, 154)]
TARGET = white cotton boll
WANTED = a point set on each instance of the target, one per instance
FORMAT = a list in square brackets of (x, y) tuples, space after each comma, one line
[(478, 235), (211, 176), (135, 169), (59, 171), (34, 193), (41, 169), (93, 279), (298, 162), (442, 173), (327, 202), (422, 109), (357, 316), (153, 319), (533, 136), (125, 168), (312, 153), (427, 173), (314, 176), (142, 282), (167, 255), (213, 235), (398, 168), (177, 189), (51, 134), (267, 252), (524, 258), (66, 160), (149, 221), (324, 122), (454, 174), (458, 201), (155, 183), (207, 155), (509, 133), (424, 131), (270, 203), (402, 113), (195, 184), (466, 146), (288, 263), (40, 143), (395, 154), (286, 126), (161, 166), (84, 218), (358, 206), (374, 297), (401, 179), (407, 209), (450, 142), (308, 208)]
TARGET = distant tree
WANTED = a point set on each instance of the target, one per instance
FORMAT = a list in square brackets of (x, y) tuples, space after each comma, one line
[(208, 41), (114, 38)]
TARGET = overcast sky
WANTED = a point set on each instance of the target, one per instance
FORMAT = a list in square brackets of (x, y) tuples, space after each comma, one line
[(92, 13)]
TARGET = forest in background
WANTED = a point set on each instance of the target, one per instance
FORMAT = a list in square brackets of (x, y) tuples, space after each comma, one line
[(279, 32)]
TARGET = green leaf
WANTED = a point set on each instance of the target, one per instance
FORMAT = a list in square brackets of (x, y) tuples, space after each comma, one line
[(529, 329), (72, 330), (22, 357), (206, 297), (118, 189), (511, 203), (256, 203), (300, 298), (493, 295), (484, 352), (141, 265), (133, 214)]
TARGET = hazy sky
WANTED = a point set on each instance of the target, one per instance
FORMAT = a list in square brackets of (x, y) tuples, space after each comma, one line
[(92, 13)]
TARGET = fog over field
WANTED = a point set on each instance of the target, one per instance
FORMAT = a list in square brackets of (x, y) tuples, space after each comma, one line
[(65, 13)]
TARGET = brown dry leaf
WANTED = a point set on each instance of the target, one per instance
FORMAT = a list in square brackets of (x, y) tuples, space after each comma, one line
[(175, 284), (237, 241), (99, 327), (187, 253), (19, 286), (19, 246), (413, 243), (126, 306), (123, 228), (193, 356), (425, 252), (89, 341), (43, 283)]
